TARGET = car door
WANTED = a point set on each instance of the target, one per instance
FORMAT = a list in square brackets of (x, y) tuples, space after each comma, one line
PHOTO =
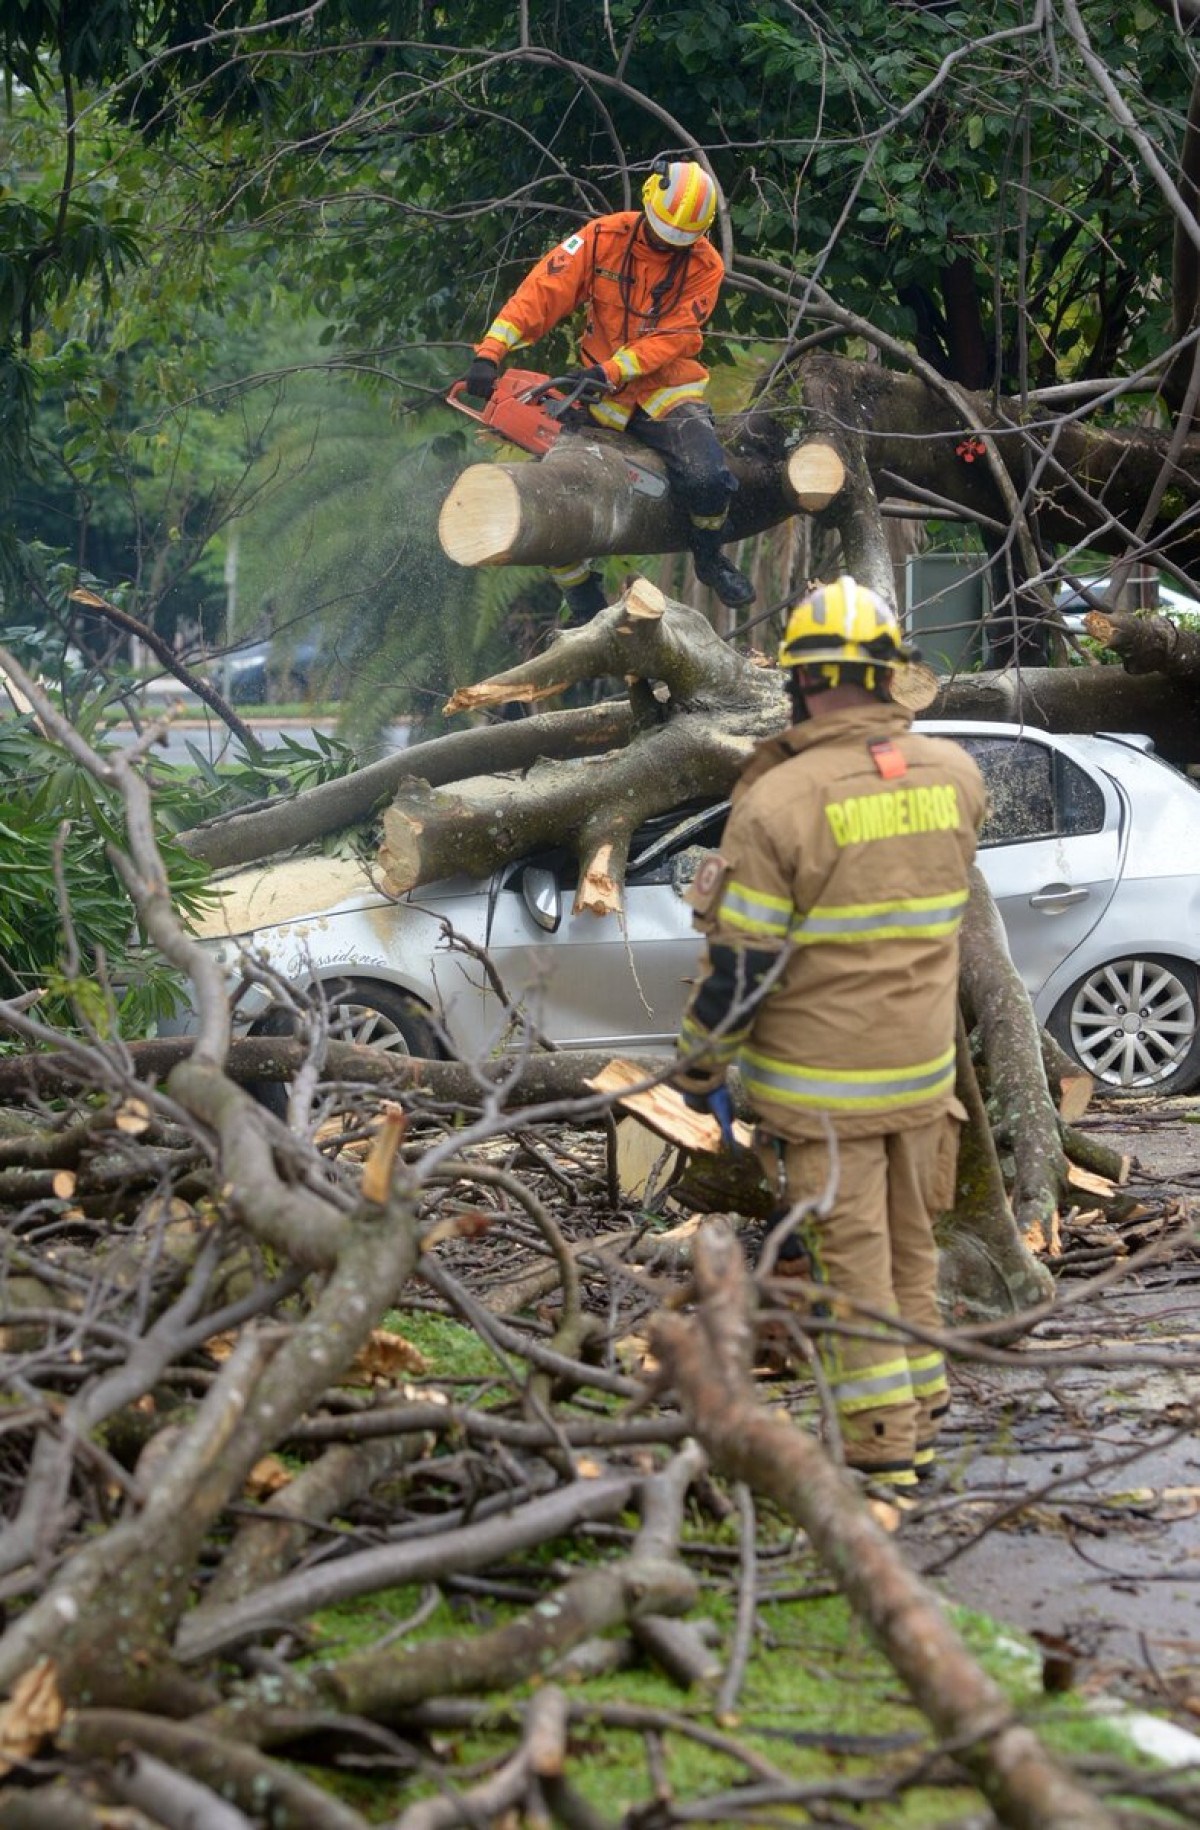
[(1050, 848), (599, 979)]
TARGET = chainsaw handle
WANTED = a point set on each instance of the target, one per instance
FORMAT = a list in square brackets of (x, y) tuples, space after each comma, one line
[(569, 391), (454, 398)]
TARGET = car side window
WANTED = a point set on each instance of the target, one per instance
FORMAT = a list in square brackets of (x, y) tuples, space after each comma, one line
[(1033, 791), (658, 849), (1080, 798)]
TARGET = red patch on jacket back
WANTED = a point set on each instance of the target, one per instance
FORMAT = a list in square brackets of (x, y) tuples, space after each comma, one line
[(887, 759)]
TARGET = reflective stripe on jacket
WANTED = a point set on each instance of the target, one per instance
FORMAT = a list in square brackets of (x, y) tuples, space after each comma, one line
[(646, 306), (862, 877)]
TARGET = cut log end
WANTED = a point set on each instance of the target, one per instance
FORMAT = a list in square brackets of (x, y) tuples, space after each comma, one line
[(481, 517), (643, 602), (915, 687), (399, 857), (815, 474)]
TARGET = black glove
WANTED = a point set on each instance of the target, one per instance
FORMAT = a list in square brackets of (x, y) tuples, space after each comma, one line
[(481, 377)]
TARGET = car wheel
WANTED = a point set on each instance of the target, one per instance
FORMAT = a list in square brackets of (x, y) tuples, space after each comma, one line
[(374, 1016), (378, 1017), (1134, 1024)]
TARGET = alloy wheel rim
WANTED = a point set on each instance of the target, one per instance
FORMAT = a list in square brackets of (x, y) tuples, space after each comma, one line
[(1132, 1022), (369, 1028)]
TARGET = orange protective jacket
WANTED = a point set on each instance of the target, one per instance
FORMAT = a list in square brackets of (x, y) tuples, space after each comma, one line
[(645, 309)]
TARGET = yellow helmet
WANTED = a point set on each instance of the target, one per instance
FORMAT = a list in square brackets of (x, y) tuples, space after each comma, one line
[(680, 201), (843, 624)]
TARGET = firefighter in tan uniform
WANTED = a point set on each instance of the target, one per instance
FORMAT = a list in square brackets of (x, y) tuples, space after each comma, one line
[(847, 851)]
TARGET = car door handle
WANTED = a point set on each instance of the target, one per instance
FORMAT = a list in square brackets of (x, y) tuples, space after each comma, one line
[(1057, 896)]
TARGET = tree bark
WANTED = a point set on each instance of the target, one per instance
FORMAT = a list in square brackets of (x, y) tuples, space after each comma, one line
[(1080, 700), (1024, 1112), (577, 501), (300, 819)]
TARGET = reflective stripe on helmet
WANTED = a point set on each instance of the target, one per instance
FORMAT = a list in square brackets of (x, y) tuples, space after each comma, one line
[(842, 622), (680, 204)]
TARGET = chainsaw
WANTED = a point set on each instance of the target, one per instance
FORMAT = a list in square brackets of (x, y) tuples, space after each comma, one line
[(533, 410)]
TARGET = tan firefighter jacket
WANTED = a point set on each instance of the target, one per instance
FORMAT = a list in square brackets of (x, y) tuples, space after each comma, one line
[(847, 850)]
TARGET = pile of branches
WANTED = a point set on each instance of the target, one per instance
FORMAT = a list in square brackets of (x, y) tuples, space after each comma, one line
[(218, 1430)]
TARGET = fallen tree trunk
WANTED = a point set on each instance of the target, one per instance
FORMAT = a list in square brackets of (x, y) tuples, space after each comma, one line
[(689, 746), (1092, 482), (578, 500), (296, 820), (1024, 1111), (1081, 701)]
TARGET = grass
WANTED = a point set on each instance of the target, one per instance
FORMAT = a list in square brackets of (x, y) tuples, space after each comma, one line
[(818, 1702)]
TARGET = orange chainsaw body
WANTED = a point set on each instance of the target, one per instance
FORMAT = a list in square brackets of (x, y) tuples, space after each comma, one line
[(529, 410), (513, 412)]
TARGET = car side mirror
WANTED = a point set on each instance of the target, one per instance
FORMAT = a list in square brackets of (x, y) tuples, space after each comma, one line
[(539, 891)]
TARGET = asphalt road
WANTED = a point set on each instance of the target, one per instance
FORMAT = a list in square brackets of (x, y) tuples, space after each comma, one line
[(1103, 1556), (217, 744)]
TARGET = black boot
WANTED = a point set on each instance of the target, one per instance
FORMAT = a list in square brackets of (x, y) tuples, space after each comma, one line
[(717, 572), (584, 599)]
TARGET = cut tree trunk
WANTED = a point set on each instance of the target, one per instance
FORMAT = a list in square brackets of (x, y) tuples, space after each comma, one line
[(690, 745), (1093, 482), (578, 501)]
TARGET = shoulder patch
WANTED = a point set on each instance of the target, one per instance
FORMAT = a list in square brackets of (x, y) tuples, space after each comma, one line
[(573, 244), (706, 886)]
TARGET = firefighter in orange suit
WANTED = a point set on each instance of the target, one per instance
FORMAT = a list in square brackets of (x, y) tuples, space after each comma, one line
[(649, 279), (847, 851)]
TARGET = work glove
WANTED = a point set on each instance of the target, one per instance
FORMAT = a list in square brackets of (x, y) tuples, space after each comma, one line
[(481, 377), (718, 1102), (594, 374)]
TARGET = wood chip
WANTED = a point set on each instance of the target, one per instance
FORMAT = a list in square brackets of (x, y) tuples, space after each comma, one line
[(33, 1712), (664, 1110)]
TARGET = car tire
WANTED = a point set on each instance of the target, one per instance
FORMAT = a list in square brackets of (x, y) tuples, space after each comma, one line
[(1162, 1055), (378, 1017)]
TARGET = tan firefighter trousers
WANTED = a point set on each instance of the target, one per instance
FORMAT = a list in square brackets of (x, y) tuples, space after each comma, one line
[(875, 1246)]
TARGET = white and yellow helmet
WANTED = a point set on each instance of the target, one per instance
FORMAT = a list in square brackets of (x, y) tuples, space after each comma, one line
[(843, 624), (680, 201)]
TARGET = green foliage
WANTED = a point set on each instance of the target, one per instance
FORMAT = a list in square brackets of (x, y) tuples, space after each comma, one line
[(56, 824)]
